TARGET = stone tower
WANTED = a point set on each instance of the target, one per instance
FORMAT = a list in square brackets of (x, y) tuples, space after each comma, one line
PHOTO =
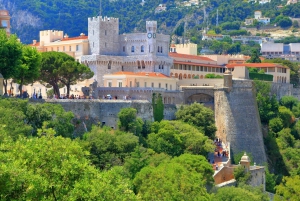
[(151, 27), (103, 35), (227, 80)]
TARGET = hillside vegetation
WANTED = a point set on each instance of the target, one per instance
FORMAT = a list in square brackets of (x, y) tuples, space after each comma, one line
[(31, 16)]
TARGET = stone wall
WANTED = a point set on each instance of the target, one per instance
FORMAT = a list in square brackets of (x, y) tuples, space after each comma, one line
[(238, 121), (282, 89), (105, 112)]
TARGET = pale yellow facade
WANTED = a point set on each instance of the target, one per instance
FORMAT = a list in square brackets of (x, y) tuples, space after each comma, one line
[(59, 42), (189, 48), (140, 80)]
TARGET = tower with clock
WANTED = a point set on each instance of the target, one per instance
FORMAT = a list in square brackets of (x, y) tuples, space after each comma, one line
[(151, 27)]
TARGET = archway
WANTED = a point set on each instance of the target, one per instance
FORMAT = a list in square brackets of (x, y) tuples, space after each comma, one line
[(205, 99)]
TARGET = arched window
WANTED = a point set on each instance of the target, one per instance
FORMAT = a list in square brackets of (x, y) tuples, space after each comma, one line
[(132, 48), (142, 48)]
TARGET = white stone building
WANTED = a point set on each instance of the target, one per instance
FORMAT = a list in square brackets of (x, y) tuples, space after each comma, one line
[(110, 52)]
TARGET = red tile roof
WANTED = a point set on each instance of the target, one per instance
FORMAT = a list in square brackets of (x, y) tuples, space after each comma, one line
[(149, 74), (36, 44), (188, 56), (255, 65), (65, 39), (75, 38), (197, 64)]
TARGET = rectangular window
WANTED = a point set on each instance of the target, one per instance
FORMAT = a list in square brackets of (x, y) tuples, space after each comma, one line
[(70, 48), (120, 84), (109, 83), (145, 84), (152, 85), (77, 47), (159, 85), (4, 23), (105, 32), (123, 48), (130, 84), (170, 87), (166, 86), (137, 84)]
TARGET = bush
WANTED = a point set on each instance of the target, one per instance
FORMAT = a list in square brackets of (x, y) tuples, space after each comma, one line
[(259, 76)]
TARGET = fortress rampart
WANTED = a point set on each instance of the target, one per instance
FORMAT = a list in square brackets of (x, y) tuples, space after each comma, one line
[(238, 121), (236, 113)]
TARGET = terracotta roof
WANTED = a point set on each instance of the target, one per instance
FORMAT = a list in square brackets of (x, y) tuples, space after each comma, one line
[(65, 39), (197, 64), (36, 44), (173, 45), (188, 56), (75, 38), (255, 65), (148, 74)]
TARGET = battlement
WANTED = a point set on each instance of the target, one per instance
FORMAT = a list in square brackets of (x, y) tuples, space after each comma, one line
[(4, 13), (103, 19), (151, 23), (51, 33), (48, 36)]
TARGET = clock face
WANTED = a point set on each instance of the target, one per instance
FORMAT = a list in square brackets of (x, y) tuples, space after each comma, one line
[(149, 35), (154, 35)]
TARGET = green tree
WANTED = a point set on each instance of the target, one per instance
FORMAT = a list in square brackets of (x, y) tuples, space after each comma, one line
[(109, 147), (128, 121), (55, 168), (200, 116), (72, 72), (239, 193), (276, 124), (11, 54), (175, 138), (53, 115), (50, 69), (29, 71), (174, 180), (285, 22), (288, 189), (241, 175), (289, 101), (254, 57), (266, 102), (13, 120), (286, 115), (158, 107)]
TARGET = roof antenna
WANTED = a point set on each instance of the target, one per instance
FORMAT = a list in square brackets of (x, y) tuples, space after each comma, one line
[(100, 9)]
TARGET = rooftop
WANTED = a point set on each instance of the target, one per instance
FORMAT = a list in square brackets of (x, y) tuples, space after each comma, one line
[(188, 56), (255, 65), (148, 74)]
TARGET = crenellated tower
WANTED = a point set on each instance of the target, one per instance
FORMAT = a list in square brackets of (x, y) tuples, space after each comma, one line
[(103, 35)]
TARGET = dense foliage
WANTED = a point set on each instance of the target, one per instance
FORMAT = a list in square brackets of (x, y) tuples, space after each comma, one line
[(282, 140), (39, 160)]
